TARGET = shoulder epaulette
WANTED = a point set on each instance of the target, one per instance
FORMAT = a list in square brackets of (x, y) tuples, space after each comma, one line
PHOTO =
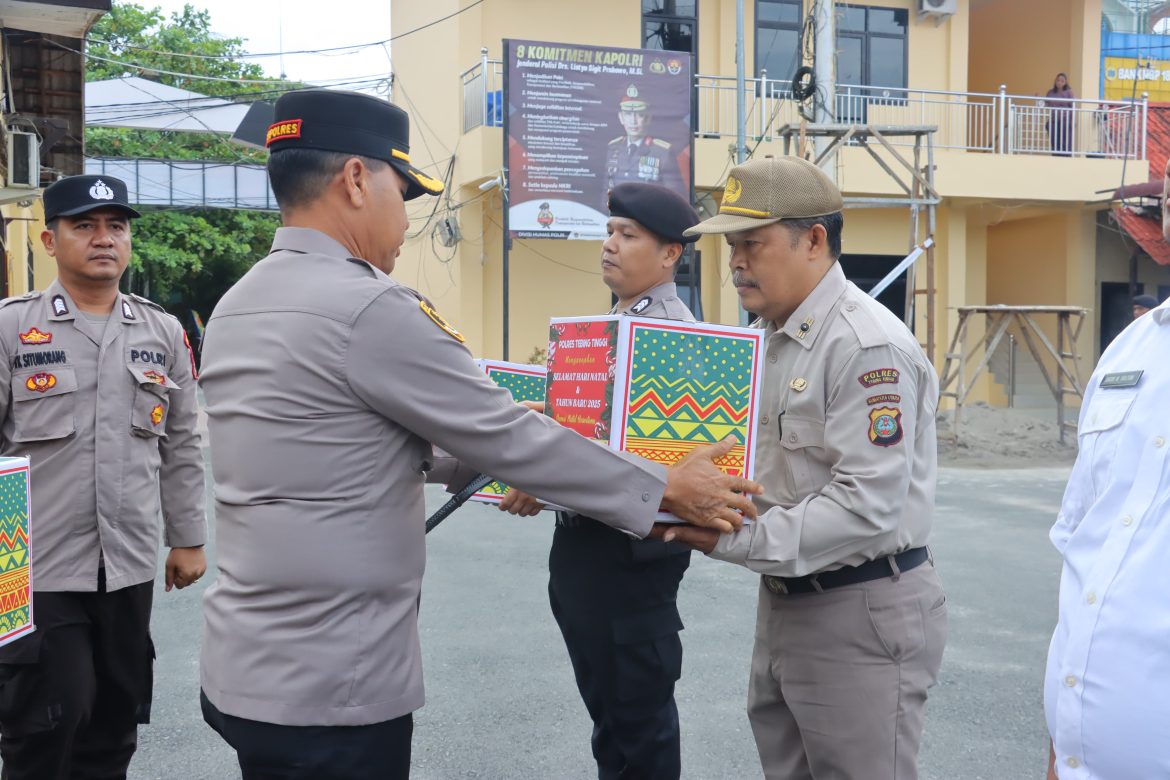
[(663, 144), (148, 302), (28, 296), (616, 140)]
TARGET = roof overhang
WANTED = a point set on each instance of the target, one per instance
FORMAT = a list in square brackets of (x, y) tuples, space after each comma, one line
[(70, 18)]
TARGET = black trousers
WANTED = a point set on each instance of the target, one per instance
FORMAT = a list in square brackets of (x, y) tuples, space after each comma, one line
[(73, 692), (614, 599), (267, 751)]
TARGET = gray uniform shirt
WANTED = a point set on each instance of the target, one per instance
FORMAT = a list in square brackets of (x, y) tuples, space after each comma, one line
[(847, 450), (661, 302), (106, 413), (326, 384)]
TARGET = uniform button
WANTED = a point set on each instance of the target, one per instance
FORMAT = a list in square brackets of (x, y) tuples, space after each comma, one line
[(764, 420), (1070, 681), (1159, 441), (1091, 598), (645, 497), (1127, 520), (851, 307), (1072, 762), (792, 437), (772, 358)]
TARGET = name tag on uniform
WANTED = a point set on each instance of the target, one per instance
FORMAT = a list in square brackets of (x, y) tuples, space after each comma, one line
[(1121, 379)]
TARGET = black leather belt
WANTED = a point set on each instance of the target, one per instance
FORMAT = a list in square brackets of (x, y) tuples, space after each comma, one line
[(848, 575)]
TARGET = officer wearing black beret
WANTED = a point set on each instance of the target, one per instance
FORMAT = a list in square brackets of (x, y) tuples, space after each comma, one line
[(614, 597), (326, 383)]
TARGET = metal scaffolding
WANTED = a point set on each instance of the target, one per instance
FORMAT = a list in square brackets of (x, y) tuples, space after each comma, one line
[(915, 179), (1063, 381)]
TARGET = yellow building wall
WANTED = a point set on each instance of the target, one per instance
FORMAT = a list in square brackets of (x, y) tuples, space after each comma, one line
[(22, 245), (1023, 45)]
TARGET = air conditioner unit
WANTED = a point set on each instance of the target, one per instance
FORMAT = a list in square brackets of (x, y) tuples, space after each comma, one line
[(24, 159), (939, 7)]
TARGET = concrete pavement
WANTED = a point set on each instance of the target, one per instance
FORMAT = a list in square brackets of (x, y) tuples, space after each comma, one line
[(500, 696)]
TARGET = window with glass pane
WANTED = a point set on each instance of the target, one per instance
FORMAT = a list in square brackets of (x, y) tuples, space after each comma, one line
[(871, 48), (778, 37), (669, 25)]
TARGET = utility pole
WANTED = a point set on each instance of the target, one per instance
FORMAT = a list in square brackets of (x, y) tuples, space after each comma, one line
[(825, 68), (740, 86)]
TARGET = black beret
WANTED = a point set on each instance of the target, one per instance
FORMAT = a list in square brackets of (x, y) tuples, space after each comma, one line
[(656, 208), (351, 123), (78, 194), (1148, 301)]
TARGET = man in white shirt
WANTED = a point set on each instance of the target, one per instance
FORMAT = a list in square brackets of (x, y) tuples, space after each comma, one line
[(1107, 687)]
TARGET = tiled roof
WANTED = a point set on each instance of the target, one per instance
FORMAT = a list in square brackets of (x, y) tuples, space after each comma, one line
[(1146, 231)]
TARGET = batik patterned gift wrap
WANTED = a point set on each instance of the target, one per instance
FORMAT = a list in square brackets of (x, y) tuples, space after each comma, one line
[(525, 383), (657, 388), (16, 617)]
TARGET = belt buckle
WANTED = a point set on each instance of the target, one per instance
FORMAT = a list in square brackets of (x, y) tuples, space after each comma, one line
[(775, 584)]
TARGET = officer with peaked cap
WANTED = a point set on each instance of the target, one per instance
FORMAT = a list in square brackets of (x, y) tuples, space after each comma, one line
[(637, 156), (97, 388), (852, 618), (326, 384), (613, 596)]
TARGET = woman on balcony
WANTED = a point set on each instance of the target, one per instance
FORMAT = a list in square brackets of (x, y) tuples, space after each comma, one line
[(1060, 119)]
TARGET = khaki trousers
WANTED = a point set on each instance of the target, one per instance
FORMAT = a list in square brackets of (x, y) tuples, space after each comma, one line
[(839, 678)]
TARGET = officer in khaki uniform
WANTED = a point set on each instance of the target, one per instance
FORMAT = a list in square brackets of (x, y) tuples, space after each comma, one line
[(614, 597), (97, 388), (326, 384), (852, 618)]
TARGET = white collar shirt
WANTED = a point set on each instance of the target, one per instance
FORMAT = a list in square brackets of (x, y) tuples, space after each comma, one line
[(1107, 685)]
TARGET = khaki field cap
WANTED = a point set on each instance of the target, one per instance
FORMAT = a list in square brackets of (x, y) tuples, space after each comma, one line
[(762, 192)]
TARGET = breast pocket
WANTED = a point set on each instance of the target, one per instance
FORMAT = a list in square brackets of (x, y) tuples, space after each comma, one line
[(152, 402), (43, 404), (803, 440), (1100, 430)]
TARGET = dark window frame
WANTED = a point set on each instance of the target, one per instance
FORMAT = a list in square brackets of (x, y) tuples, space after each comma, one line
[(872, 91), (795, 27), (662, 17)]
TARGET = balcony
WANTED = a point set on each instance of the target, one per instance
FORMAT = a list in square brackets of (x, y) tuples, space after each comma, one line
[(993, 123)]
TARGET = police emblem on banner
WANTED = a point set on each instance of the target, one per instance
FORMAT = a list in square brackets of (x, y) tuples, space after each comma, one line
[(885, 426)]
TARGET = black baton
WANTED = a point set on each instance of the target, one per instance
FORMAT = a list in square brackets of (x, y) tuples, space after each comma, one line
[(458, 500)]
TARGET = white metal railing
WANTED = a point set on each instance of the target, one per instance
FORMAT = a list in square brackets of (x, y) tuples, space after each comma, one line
[(973, 121)]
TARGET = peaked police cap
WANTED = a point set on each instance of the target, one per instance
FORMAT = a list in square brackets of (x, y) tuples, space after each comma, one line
[(350, 123)]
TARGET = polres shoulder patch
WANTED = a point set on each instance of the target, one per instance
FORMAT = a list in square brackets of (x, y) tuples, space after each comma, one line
[(880, 376), (442, 323)]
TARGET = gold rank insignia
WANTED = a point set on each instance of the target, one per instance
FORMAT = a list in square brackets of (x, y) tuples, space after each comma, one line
[(442, 323), (798, 384), (34, 336), (156, 414), (41, 382)]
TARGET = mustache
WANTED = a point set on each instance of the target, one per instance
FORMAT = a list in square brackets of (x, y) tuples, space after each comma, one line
[(739, 280)]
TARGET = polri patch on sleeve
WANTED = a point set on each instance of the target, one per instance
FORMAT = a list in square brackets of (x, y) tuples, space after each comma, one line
[(1121, 379), (880, 376), (442, 323), (641, 305), (885, 426)]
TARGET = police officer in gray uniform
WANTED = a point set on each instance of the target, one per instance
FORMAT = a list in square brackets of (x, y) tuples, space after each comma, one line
[(97, 388), (614, 597), (327, 383)]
